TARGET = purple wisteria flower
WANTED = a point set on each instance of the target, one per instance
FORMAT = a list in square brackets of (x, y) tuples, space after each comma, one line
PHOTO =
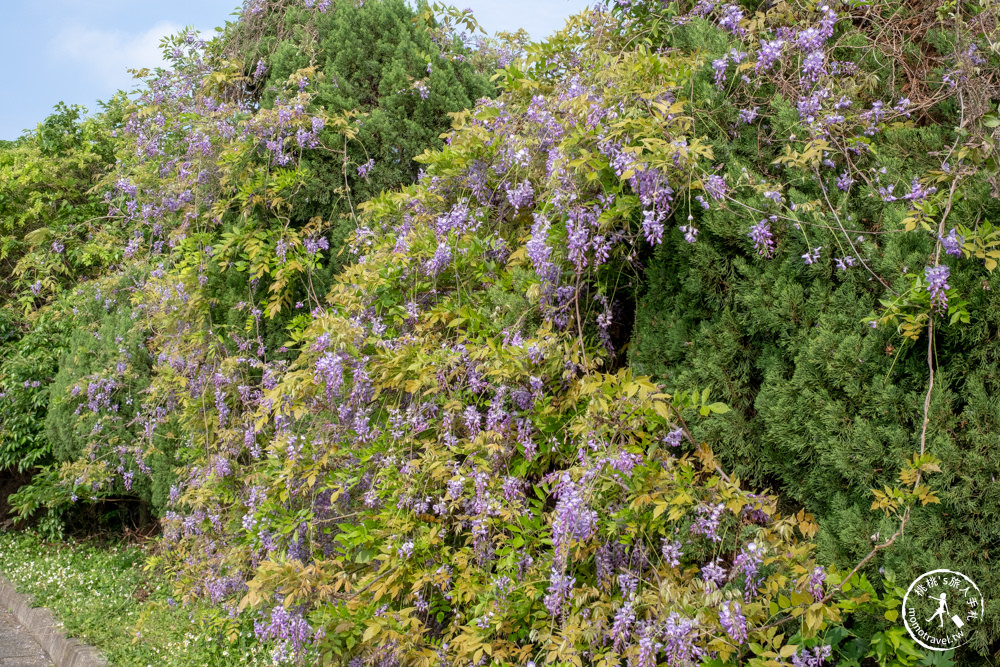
[(918, 192), (473, 420), (574, 520), (365, 168), (674, 437), (733, 622), (289, 629), (255, 499), (521, 196), (844, 263), (707, 523), (652, 227), (814, 65), (810, 105), (690, 233), (628, 583), (844, 182), (937, 285), (330, 372), (314, 244), (812, 256), (713, 574), (952, 243), (763, 241), (441, 259), (748, 116), (719, 67), (812, 658), (281, 249), (538, 249), (621, 630), (769, 54), (703, 8), (560, 592), (810, 39), (577, 238), (716, 187), (678, 638), (730, 18), (748, 563), (872, 117), (672, 553), (816, 580)]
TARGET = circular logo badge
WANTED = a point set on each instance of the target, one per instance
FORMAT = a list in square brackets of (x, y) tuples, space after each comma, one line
[(940, 609)]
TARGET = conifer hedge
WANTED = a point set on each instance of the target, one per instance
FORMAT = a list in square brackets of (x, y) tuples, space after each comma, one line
[(806, 332)]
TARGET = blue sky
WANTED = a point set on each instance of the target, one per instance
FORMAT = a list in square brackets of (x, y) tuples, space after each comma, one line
[(79, 51)]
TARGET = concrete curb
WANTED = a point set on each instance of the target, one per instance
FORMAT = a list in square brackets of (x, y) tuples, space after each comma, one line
[(42, 625)]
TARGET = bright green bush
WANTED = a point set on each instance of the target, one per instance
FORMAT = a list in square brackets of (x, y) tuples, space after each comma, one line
[(28, 362), (54, 231), (54, 228)]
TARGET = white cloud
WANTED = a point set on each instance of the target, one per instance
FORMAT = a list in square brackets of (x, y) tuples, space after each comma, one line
[(105, 56), (539, 17)]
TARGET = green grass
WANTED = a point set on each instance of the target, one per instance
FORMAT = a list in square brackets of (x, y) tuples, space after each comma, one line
[(103, 596)]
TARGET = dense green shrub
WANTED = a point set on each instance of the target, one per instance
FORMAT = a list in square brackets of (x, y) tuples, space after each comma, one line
[(380, 62), (54, 231), (825, 405), (27, 365), (91, 412), (54, 227)]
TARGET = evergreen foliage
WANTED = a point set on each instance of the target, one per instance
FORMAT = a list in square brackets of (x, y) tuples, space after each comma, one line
[(380, 61), (825, 405)]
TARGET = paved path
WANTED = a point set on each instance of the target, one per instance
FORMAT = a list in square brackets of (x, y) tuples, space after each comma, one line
[(17, 648)]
